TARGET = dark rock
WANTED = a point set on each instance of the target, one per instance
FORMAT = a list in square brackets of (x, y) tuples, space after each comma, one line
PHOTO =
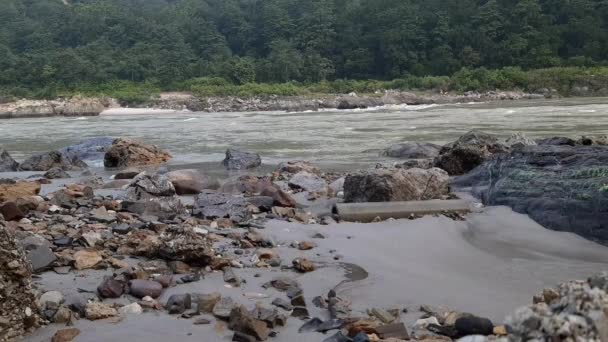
[(56, 173), (141, 288), (311, 325), (282, 284), (264, 203), (242, 321), (201, 321), (338, 337), (127, 152), (241, 160), (190, 182), (593, 140), (556, 141), (7, 163), (230, 277), (412, 150), (122, 229), (298, 301), (382, 185), (178, 303), (128, 173), (48, 160), (241, 337), (11, 212), (561, 187), (361, 337), (300, 311), (280, 197), (101, 215), (473, 325), (468, 152), (308, 182), (111, 288), (88, 149), (282, 303), (331, 324)]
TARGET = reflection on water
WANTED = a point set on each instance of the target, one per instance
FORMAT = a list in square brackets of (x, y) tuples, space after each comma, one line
[(328, 137)]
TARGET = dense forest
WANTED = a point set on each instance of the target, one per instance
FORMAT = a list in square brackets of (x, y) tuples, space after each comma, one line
[(63, 44)]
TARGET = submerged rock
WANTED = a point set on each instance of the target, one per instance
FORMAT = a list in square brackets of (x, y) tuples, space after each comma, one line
[(88, 149), (386, 185), (128, 152), (241, 160), (561, 187), (412, 150), (53, 159)]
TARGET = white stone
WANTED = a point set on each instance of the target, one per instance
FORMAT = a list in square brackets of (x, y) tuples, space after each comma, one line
[(424, 322), (131, 309), (54, 297)]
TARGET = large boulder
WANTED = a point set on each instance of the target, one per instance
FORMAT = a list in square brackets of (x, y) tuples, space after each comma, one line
[(190, 182), (53, 159), (12, 191), (387, 185), (18, 306), (412, 150), (128, 152), (241, 160), (88, 149), (475, 147), (7, 163), (562, 187)]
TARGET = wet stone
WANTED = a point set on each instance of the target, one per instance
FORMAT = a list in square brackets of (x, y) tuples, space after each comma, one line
[(282, 303), (141, 288), (178, 304)]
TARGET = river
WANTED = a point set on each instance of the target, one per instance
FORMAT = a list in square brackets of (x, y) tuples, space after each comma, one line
[(337, 138)]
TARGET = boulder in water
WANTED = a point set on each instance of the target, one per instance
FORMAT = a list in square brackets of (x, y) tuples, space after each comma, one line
[(561, 187), (88, 149), (412, 150), (241, 160), (387, 185), (7, 163), (53, 159), (128, 152)]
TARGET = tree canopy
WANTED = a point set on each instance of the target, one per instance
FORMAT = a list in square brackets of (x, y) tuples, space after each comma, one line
[(68, 43)]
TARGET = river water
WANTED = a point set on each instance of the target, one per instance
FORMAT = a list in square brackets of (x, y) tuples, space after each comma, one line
[(335, 138)]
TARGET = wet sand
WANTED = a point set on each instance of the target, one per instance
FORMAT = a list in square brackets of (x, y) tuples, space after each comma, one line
[(489, 265)]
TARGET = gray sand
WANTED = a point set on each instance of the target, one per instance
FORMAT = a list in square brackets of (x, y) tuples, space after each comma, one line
[(488, 265)]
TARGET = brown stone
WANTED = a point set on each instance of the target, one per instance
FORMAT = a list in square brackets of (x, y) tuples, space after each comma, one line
[(65, 335), (206, 302), (280, 197), (242, 321), (11, 192), (306, 245), (128, 152), (84, 259), (11, 211), (303, 265), (95, 311)]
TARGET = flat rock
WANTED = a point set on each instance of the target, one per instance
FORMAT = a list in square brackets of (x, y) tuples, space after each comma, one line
[(84, 259)]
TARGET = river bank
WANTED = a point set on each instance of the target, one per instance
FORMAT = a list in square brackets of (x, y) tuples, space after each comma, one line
[(187, 102), (141, 249)]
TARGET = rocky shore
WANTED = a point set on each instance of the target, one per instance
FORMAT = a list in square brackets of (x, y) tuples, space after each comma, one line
[(78, 106), (140, 242)]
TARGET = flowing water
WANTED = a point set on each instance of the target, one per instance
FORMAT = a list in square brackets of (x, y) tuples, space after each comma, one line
[(335, 138)]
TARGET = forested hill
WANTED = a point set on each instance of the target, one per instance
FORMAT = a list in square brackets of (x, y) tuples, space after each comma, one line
[(71, 42)]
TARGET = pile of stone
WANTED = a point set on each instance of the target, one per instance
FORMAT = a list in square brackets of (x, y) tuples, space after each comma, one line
[(19, 311)]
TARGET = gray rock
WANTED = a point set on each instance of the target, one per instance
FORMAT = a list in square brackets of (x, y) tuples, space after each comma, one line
[(412, 150), (89, 149), (308, 182), (56, 173), (210, 204), (101, 215), (48, 160), (178, 303), (7, 163), (155, 185), (38, 252), (241, 160), (51, 300), (190, 182), (556, 141), (223, 307), (141, 288), (384, 185), (282, 303)]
